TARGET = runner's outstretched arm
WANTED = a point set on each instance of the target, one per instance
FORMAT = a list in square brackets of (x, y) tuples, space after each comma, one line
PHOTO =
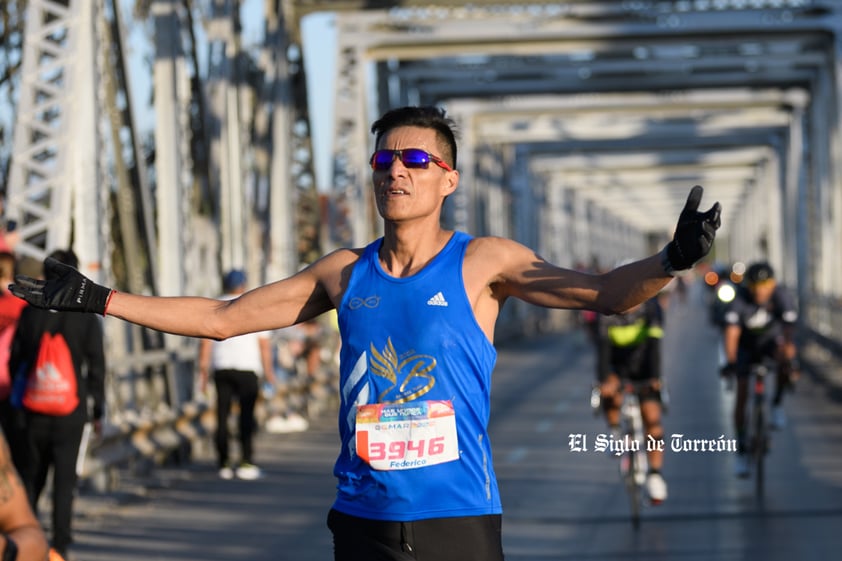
[(273, 306), (523, 274)]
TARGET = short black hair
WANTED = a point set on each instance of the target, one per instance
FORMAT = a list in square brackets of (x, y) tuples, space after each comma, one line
[(427, 117), (759, 272)]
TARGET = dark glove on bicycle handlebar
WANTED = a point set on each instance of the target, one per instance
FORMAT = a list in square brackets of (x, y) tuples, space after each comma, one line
[(729, 370), (694, 234), (65, 289)]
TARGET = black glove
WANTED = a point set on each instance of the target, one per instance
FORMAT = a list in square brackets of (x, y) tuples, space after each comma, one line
[(729, 370), (694, 234), (65, 289)]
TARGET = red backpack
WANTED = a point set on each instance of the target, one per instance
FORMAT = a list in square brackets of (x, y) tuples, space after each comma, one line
[(51, 385)]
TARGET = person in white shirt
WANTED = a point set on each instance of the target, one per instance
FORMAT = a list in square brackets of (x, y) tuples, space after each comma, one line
[(237, 364)]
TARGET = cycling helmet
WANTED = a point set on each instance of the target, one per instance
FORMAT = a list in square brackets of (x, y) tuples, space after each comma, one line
[(759, 272)]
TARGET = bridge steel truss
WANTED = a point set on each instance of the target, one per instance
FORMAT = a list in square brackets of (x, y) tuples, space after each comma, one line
[(621, 106), (51, 167), (77, 170)]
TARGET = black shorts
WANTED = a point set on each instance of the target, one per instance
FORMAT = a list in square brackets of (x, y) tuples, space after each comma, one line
[(464, 538), (747, 357), (651, 392)]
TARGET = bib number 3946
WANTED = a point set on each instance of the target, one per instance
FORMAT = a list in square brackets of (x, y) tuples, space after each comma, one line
[(407, 436)]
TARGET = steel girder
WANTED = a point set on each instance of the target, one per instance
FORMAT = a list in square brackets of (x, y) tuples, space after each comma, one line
[(629, 126), (441, 52), (56, 138), (75, 108)]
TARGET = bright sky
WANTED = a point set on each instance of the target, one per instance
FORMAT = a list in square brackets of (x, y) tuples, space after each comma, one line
[(319, 37)]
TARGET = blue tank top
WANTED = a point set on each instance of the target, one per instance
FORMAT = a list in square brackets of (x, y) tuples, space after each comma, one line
[(408, 343)]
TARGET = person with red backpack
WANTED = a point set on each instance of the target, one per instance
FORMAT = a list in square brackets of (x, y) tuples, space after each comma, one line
[(62, 358)]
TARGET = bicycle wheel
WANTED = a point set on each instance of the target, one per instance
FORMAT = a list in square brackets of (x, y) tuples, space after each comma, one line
[(633, 486), (759, 449), (632, 462)]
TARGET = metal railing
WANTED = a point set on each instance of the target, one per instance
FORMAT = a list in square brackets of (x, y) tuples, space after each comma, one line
[(823, 322), (154, 413)]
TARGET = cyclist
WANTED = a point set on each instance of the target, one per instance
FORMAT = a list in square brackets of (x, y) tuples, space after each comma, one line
[(629, 348), (759, 323)]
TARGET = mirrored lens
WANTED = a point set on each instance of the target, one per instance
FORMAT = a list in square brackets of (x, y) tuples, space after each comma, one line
[(411, 158), (415, 158), (382, 159)]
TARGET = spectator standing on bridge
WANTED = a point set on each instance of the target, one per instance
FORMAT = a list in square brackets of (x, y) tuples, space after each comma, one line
[(9, 235), (21, 535), (62, 356), (417, 310), (10, 309), (237, 363)]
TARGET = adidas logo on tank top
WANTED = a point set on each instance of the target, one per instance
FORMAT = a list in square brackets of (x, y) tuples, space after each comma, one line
[(437, 300)]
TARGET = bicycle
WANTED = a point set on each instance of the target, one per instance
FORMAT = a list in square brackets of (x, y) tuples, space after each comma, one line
[(759, 434), (632, 442), (633, 462)]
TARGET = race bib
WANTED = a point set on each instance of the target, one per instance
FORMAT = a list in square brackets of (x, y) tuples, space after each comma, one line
[(407, 436)]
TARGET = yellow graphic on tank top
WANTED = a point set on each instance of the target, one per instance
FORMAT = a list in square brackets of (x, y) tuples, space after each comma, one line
[(412, 372)]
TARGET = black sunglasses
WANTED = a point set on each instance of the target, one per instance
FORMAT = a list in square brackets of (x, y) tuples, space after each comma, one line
[(409, 157)]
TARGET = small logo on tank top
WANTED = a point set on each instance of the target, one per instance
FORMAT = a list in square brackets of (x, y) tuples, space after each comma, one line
[(437, 300), (368, 302)]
